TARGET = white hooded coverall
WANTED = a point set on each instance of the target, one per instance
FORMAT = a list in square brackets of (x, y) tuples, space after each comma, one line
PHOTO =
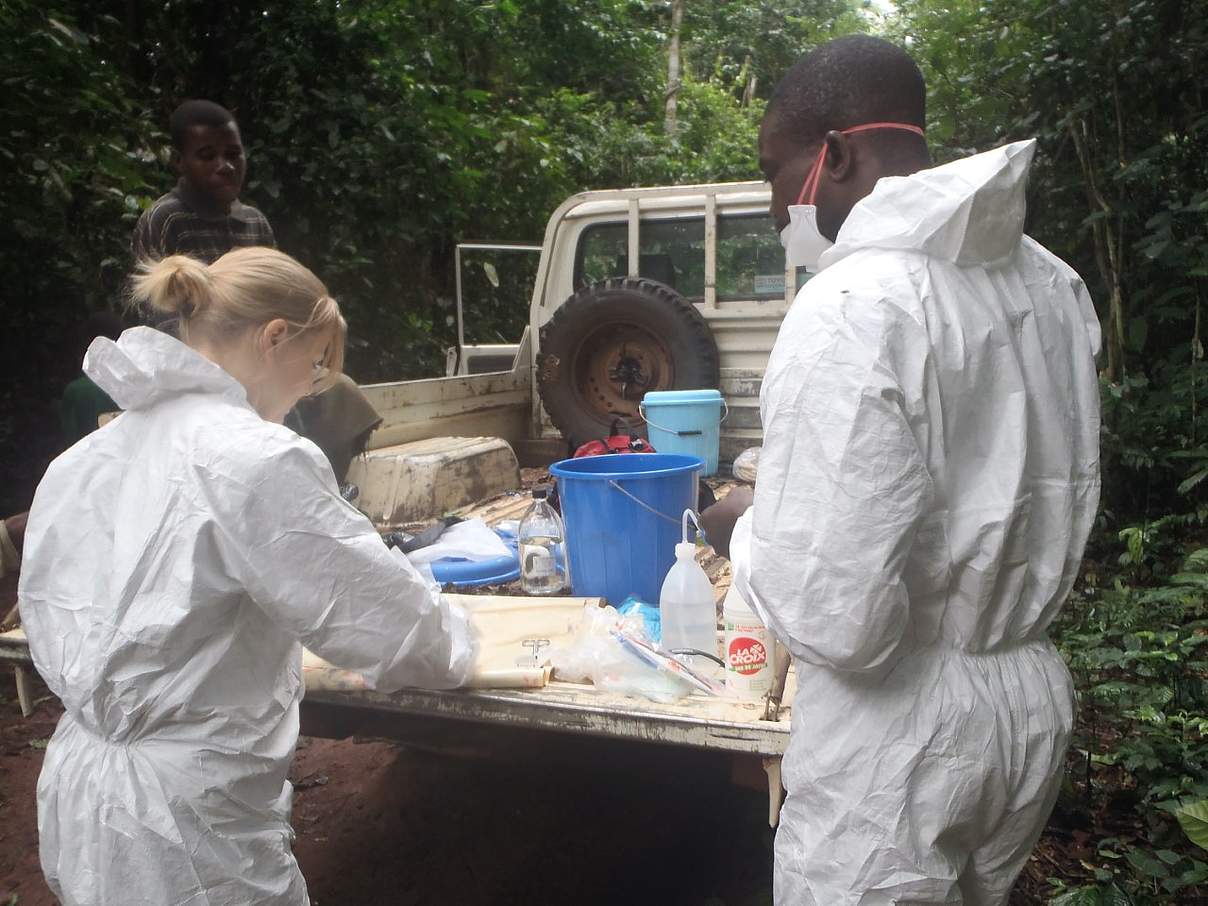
[(929, 475), (176, 562)]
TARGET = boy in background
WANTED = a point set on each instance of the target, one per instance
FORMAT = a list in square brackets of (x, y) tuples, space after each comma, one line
[(202, 217)]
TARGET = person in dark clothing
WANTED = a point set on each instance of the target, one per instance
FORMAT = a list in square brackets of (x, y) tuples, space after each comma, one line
[(83, 402), (80, 409), (202, 217), (12, 538), (338, 421)]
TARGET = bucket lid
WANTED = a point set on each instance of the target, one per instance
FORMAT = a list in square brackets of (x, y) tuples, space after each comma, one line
[(681, 396), (468, 573)]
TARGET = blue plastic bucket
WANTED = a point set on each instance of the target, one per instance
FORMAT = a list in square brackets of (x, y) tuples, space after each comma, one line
[(622, 515), (686, 422)]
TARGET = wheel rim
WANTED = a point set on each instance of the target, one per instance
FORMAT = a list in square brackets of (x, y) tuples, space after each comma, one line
[(615, 366)]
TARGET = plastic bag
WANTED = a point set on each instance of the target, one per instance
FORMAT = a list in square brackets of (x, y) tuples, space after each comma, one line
[(469, 540), (746, 464), (574, 663), (652, 618), (595, 655)]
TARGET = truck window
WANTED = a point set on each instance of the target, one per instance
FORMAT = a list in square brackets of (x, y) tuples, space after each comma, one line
[(672, 252), (750, 261), (602, 253)]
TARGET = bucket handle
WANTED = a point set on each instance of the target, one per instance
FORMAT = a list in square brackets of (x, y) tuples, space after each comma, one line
[(644, 505), (642, 412)]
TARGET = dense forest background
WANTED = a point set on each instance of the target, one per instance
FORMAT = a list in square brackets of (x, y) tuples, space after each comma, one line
[(382, 132)]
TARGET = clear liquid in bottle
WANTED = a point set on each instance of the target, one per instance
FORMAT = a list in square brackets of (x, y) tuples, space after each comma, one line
[(542, 553)]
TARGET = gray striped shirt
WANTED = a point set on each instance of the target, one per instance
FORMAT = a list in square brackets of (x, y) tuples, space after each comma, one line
[(183, 222)]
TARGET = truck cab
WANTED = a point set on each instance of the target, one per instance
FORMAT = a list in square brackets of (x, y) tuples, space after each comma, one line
[(713, 245)]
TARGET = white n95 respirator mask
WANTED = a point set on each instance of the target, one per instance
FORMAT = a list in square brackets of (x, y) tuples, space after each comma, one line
[(802, 240)]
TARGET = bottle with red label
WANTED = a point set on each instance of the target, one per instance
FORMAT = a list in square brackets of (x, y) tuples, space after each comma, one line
[(750, 650)]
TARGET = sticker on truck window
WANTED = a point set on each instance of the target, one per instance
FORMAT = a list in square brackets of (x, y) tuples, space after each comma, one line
[(769, 284)]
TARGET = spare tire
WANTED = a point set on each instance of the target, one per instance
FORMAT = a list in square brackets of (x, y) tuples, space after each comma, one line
[(611, 343)]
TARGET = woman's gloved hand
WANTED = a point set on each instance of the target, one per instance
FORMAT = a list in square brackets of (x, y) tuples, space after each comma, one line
[(426, 537), (718, 520)]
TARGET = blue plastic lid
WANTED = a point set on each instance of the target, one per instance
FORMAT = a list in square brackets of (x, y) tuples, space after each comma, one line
[(469, 573), (659, 397)]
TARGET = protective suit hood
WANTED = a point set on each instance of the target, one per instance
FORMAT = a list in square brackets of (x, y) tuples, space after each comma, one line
[(146, 366), (970, 211)]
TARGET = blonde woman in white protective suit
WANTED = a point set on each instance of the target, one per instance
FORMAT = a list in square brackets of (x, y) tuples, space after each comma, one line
[(176, 561)]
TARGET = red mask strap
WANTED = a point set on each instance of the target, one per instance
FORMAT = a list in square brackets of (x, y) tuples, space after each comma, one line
[(810, 185), (905, 127), (811, 181)]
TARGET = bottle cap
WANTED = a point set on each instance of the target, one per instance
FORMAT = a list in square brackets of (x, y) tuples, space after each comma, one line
[(541, 491), (685, 549)]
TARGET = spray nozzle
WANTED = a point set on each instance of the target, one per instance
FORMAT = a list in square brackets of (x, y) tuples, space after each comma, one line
[(690, 514)]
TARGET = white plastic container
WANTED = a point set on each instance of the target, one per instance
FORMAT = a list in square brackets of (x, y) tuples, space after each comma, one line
[(750, 654), (686, 605)]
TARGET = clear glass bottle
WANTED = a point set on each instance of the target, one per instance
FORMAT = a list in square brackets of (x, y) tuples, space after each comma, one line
[(542, 553)]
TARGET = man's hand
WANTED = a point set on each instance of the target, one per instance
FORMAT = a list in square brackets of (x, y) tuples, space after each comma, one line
[(718, 521), (12, 539), (16, 529)]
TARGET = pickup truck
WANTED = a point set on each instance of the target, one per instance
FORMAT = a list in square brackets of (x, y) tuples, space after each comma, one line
[(706, 260)]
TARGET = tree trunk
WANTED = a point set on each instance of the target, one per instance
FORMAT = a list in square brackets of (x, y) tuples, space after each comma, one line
[(1108, 234), (673, 67), (749, 79)]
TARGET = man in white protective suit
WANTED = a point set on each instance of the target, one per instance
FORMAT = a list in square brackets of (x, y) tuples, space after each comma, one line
[(929, 475)]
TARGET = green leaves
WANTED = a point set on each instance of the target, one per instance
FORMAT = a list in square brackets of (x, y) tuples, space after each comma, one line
[(70, 32), (1194, 821), (1146, 865), (1110, 895), (1136, 648), (1197, 561)]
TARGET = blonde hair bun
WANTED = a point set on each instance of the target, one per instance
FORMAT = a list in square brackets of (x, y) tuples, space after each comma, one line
[(176, 285)]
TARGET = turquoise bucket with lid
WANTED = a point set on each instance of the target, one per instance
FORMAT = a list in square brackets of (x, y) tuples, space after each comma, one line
[(686, 422)]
